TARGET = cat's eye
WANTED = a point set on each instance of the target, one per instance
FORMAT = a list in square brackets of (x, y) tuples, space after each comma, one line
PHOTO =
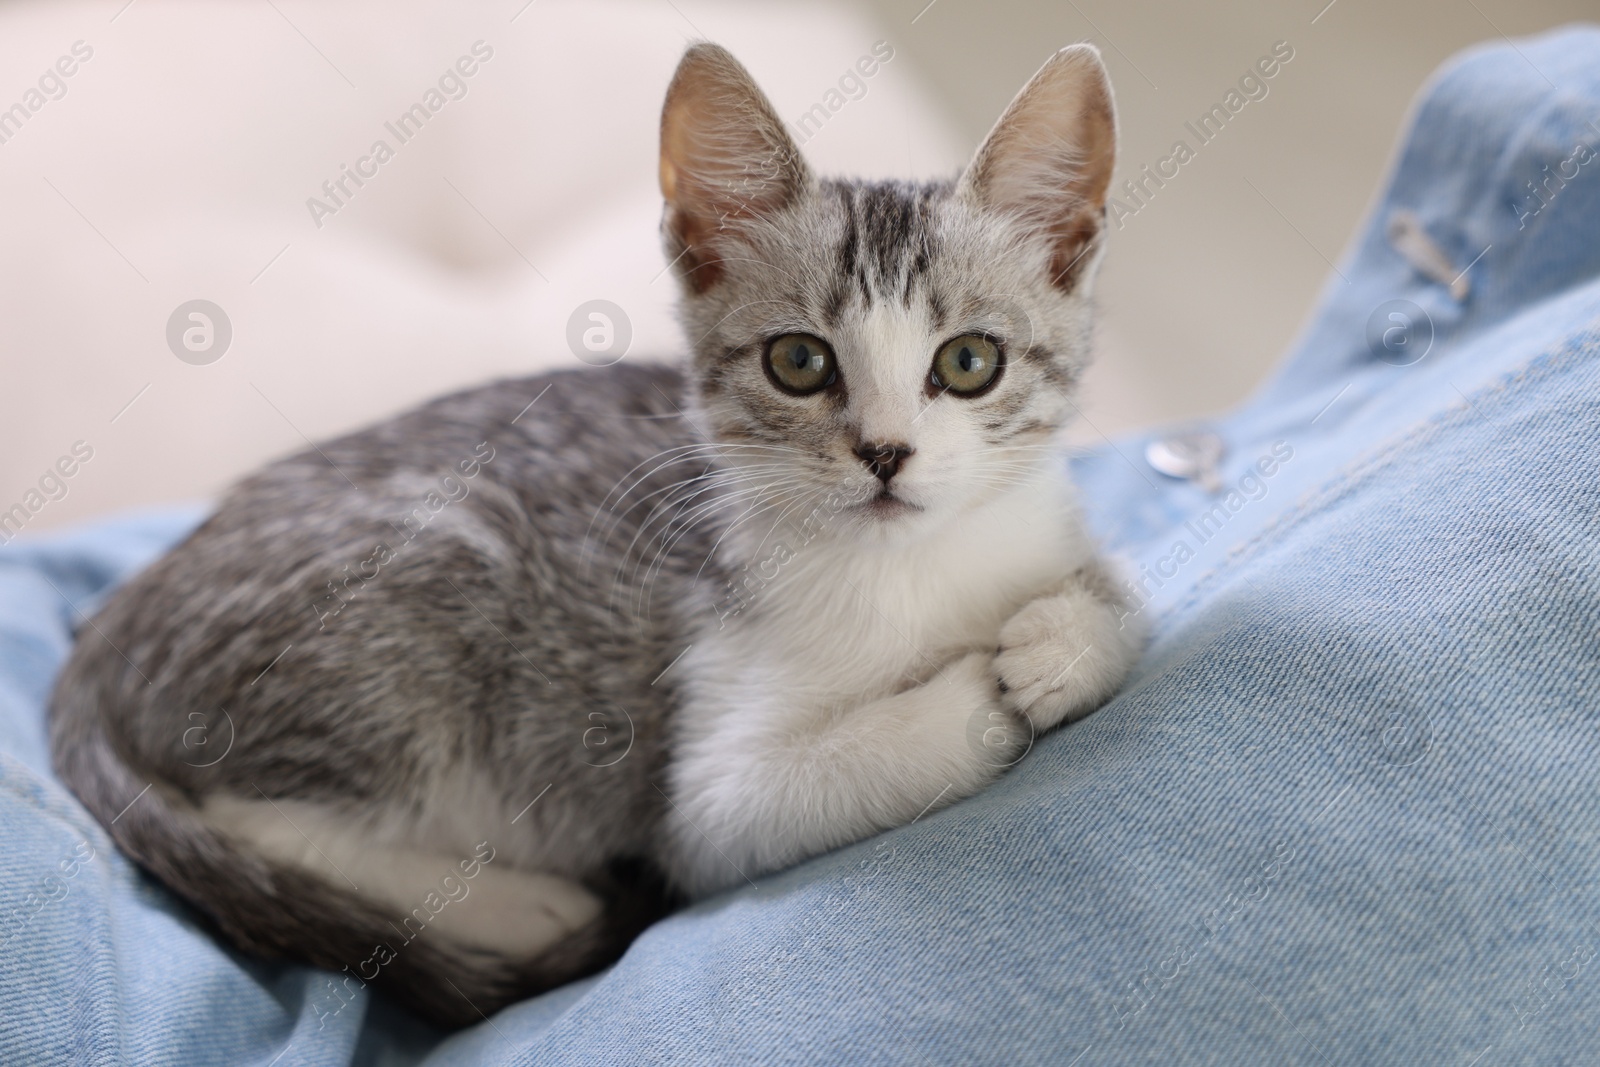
[(966, 366), (800, 363)]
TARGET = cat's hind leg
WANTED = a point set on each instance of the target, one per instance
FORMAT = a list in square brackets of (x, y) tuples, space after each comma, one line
[(465, 899)]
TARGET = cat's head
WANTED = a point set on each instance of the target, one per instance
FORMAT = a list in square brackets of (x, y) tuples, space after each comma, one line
[(896, 353)]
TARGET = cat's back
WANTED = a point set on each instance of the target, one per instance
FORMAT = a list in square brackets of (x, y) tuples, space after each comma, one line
[(559, 440), (494, 548)]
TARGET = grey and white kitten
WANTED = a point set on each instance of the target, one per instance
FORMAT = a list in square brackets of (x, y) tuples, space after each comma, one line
[(459, 703)]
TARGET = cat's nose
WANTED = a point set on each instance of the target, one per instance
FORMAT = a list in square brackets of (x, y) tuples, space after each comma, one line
[(883, 460)]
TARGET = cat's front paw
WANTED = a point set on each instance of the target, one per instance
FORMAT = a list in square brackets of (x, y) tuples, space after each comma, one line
[(984, 736), (1063, 655)]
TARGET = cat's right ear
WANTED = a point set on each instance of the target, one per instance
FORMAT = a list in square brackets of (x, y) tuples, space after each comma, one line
[(725, 159)]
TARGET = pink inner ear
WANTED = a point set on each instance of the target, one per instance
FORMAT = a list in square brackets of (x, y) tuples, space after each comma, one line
[(708, 201), (1072, 248), (1048, 161), (688, 225), (725, 159)]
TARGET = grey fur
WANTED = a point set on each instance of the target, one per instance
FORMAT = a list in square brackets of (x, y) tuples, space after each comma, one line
[(487, 641), (565, 579)]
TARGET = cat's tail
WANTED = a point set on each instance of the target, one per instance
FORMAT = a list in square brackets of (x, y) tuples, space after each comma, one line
[(268, 902)]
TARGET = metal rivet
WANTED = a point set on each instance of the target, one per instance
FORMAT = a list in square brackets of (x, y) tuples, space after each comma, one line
[(1191, 456)]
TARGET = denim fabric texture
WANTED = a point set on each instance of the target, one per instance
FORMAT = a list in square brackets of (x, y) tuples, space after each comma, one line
[(1345, 812)]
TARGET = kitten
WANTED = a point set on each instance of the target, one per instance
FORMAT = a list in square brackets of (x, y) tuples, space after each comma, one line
[(459, 703)]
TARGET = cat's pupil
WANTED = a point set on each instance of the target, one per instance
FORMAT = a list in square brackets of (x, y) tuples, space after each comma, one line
[(969, 360), (801, 356)]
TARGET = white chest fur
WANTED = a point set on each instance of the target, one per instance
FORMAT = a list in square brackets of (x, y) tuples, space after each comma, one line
[(809, 717), (847, 621)]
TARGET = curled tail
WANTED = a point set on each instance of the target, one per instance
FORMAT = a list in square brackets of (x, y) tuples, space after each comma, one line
[(266, 900)]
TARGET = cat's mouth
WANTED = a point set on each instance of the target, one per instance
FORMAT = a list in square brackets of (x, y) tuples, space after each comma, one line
[(887, 505)]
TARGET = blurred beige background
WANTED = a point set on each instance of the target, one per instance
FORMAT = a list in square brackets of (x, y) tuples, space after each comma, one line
[(177, 163)]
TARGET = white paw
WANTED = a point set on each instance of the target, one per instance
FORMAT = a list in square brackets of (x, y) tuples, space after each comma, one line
[(992, 737), (1063, 655)]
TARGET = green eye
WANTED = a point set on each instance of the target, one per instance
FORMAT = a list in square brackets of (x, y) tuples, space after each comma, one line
[(800, 363), (966, 366)]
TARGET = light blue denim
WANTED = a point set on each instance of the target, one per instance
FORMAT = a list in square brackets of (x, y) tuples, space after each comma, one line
[(1347, 811)]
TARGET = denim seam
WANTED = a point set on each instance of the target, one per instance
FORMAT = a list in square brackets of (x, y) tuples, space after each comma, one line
[(1311, 502)]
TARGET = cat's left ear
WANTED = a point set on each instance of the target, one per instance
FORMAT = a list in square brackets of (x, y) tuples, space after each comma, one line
[(1048, 161)]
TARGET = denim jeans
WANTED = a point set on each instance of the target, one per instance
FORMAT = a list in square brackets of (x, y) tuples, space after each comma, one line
[(1345, 812)]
